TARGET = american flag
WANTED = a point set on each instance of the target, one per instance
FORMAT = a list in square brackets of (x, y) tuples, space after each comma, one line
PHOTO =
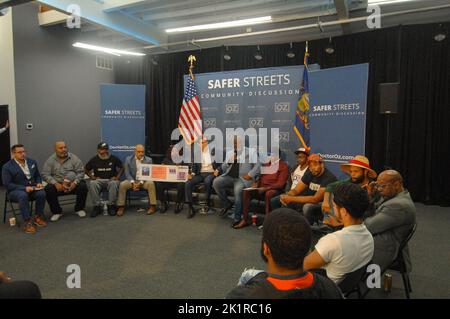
[(190, 121)]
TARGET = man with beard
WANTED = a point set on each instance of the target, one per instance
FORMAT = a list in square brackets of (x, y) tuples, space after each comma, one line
[(286, 240), (104, 170), (307, 196), (350, 248), (64, 174), (301, 168), (360, 174)]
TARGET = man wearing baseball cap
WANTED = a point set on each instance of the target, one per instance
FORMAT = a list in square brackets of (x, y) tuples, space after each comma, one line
[(358, 168), (301, 168), (104, 170), (308, 194)]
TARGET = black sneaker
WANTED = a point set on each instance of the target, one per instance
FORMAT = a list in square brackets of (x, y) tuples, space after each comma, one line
[(178, 208), (95, 211), (112, 210)]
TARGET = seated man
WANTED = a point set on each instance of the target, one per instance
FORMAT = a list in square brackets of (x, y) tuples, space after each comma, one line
[(132, 163), (286, 240), (360, 173), (351, 248), (64, 174), (300, 169), (308, 194), (238, 173), (393, 220), (162, 187), (104, 170), (24, 183), (267, 186), (17, 289), (201, 173)]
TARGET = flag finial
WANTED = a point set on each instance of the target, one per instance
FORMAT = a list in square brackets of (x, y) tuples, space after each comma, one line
[(191, 61)]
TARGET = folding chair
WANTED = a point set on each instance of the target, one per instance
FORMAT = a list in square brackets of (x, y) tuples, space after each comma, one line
[(12, 209), (399, 263), (352, 281)]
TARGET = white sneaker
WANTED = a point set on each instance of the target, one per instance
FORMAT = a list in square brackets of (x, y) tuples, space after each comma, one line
[(81, 213), (55, 217)]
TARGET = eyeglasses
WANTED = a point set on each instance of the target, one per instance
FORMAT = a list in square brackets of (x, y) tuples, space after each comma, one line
[(381, 187)]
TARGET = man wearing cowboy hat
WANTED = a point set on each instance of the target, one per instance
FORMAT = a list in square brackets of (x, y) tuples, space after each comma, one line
[(358, 168)]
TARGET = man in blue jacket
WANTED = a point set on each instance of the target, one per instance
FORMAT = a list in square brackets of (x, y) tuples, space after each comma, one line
[(240, 171), (131, 182), (24, 183)]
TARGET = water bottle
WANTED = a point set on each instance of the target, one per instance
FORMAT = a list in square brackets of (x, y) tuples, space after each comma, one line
[(105, 209)]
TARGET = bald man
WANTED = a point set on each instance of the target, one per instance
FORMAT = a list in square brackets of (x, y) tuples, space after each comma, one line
[(394, 217), (64, 174), (131, 167)]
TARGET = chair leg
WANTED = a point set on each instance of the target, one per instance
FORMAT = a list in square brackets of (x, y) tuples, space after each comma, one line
[(5, 209), (405, 284), (409, 283)]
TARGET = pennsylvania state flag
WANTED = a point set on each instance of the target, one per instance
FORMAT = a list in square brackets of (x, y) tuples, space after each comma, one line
[(301, 122)]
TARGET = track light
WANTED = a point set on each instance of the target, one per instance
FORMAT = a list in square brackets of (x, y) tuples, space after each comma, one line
[(227, 55), (441, 34), (290, 54), (329, 48), (154, 60), (258, 55)]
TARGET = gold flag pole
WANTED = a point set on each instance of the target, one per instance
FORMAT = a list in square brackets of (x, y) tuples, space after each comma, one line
[(191, 60)]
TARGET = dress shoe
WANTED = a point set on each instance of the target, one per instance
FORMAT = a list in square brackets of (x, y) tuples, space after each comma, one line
[(191, 212), (164, 207), (151, 210), (241, 224), (235, 223), (120, 211)]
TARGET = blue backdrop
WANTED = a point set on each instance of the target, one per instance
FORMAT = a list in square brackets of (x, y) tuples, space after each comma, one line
[(338, 113), (122, 117), (257, 98), (268, 98)]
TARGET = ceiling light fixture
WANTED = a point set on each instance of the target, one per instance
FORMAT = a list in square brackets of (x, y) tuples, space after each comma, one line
[(441, 34), (290, 54), (227, 55), (258, 55), (221, 25), (329, 48), (105, 50)]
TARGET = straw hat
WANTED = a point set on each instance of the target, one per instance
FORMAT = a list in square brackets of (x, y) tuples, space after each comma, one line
[(359, 161)]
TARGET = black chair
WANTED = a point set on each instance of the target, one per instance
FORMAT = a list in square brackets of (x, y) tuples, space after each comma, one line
[(12, 209), (352, 281), (399, 263), (135, 195)]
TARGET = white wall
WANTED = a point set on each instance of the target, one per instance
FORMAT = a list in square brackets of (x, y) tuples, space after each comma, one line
[(7, 80)]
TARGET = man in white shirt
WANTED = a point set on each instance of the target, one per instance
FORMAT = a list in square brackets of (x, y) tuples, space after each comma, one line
[(201, 173), (351, 248), (301, 168)]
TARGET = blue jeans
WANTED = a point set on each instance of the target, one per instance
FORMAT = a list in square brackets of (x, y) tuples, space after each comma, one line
[(207, 179), (23, 198), (221, 184)]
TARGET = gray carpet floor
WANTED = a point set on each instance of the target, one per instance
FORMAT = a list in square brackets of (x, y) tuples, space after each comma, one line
[(169, 256)]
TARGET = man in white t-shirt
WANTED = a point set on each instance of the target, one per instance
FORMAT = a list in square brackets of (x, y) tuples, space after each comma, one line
[(302, 166), (351, 248)]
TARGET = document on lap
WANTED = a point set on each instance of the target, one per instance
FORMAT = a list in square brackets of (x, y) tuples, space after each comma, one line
[(162, 173)]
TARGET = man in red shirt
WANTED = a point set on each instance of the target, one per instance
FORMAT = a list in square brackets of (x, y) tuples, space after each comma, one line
[(271, 183)]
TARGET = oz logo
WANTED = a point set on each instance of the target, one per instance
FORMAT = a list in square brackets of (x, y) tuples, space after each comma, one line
[(232, 108), (284, 137), (256, 122), (210, 122), (283, 107)]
